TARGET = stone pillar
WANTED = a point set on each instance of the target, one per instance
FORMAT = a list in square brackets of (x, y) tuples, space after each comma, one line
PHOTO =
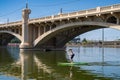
[(44, 29), (39, 31), (25, 30), (34, 33), (118, 21), (19, 32), (50, 27)]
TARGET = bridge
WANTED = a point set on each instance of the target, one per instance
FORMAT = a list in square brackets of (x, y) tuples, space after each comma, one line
[(53, 32)]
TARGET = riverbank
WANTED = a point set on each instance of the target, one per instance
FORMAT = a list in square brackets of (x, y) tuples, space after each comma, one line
[(112, 44), (13, 44)]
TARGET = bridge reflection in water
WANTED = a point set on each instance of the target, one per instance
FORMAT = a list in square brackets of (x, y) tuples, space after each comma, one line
[(39, 65)]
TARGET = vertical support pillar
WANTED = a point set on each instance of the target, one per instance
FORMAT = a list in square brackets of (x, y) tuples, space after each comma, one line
[(25, 30), (34, 32), (44, 29), (39, 31), (118, 21), (15, 30), (50, 27), (19, 32)]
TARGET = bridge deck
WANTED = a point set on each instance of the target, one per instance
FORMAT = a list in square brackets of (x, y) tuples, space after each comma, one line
[(83, 13)]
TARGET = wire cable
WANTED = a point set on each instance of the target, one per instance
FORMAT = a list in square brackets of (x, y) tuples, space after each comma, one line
[(11, 12)]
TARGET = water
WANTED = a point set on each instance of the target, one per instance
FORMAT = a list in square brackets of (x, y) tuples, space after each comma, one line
[(17, 64)]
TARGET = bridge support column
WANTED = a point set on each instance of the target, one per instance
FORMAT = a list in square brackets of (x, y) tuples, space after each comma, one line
[(25, 29), (39, 31)]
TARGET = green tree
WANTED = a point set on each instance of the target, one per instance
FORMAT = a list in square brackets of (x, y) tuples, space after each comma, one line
[(15, 40), (84, 41)]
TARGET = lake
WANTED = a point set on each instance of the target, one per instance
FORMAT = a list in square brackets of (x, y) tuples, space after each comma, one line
[(101, 64)]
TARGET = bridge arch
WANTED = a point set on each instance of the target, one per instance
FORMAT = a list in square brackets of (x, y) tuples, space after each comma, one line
[(49, 34), (112, 19), (14, 34)]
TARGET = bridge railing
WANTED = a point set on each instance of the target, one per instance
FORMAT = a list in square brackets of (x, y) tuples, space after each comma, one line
[(116, 6), (55, 16), (80, 13), (105, 8), (48, 17), (108, 8), (91, 11), (94, 11), (11, 24), (63, 15), (73, 13)]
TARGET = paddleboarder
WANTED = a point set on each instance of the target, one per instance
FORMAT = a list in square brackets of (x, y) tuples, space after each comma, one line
[(71, 54)]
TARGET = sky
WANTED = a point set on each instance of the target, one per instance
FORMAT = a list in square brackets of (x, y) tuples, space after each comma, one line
[(12, 9)]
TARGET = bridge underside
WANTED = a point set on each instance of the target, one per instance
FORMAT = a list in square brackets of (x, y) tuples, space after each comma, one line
[(58, 33), (5, 39), (58, 39)]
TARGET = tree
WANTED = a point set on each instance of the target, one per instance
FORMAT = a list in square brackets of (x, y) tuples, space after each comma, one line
[(15, 40), (84, 41)]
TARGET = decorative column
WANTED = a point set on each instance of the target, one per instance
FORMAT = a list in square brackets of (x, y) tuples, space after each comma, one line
[(25, 29)]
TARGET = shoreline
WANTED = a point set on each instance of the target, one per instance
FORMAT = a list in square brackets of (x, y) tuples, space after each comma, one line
[(92, 45), (78, 45)]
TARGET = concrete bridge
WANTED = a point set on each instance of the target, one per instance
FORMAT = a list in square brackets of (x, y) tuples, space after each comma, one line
[(53, 32)]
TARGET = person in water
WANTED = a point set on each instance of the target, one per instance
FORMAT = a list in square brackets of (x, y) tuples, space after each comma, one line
[(71, 54)]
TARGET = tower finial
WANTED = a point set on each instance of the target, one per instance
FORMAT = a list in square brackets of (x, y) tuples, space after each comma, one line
[(61, 11), (27, 4)]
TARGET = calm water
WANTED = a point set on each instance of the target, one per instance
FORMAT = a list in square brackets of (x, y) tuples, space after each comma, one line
[(16, 64)]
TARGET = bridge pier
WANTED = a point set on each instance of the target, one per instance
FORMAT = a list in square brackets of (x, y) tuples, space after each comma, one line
[(25, 29)]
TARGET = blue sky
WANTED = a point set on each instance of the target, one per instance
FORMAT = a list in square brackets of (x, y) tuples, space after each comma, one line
[(12, 9)]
